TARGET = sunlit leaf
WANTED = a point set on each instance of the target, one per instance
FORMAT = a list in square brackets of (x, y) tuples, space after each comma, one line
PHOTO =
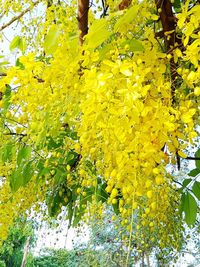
[(18, 42), (98, 33), (51, 40), (126, 18), (194, 172), (196, 189), (23, 154), (186, 182), (189, 208), (15, 42)]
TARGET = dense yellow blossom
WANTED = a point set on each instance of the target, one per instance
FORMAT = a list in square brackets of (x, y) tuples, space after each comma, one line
[(117, 96)]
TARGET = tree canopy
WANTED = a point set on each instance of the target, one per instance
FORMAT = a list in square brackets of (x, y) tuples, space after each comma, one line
[(101, 103)]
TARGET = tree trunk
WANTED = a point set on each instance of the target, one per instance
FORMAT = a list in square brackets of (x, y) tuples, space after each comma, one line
[(26, 248), (142, 260), (148, 260), (83, 7)]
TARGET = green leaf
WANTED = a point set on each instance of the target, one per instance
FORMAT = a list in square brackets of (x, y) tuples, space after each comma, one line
[(67, 197), (197, 155), (16, 179), (7, 152), (182, 203), (104, 50), (116, 208), (21, 176), (185, 183), (4, 63), (194, 172), (22, 45), (51, 144), (23, 154), (90, 192), (19, 64), (74, 193), (72, 158), (51, 40), (54, 206), (77, 216), (102, 195), (126, 18), (59, 177), (90, 167), (6, 98), (18, 42), (55, 201), (190, 209), (28, 172), (15, 42), (71, 134), (135, 45), (177, 5), (41, 173), (98, 33), (196, 189)]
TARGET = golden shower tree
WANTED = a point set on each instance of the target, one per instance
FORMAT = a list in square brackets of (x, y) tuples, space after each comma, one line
[(103, 98)]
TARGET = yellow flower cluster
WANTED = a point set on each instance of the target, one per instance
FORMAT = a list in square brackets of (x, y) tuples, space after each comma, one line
[(118, 97)]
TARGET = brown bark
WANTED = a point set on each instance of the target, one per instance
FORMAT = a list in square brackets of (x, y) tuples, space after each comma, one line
[(83, 7), (168, 21), (124, 4)]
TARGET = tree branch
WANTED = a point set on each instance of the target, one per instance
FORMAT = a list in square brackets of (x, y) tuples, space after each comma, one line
[(40, 80), (83, 7), (159, 34), (105, 9), (124, 4), (17, 134), (2, 74), (18, 17), (193, 158), (168, 21)]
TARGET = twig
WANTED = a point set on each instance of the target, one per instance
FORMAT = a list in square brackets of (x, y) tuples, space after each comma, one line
[(105, 9), (18, 134), (40, 80), (18, 17), (193, 158), (178, 161), (2, 74)]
